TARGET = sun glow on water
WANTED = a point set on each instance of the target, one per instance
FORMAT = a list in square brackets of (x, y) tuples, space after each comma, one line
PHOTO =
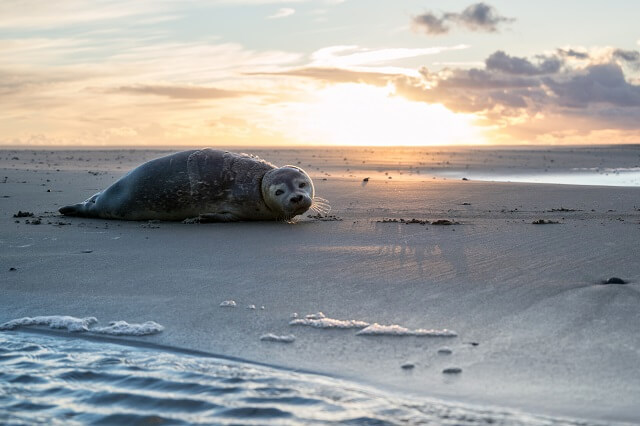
[(363, 115)]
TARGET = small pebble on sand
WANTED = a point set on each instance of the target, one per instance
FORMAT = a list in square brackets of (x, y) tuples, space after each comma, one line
[(615, 280)]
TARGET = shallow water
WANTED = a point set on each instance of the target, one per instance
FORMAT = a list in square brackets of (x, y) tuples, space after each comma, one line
[(577, 176), (58, 380)]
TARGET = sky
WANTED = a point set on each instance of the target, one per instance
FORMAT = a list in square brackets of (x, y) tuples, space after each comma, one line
[(318, 72)]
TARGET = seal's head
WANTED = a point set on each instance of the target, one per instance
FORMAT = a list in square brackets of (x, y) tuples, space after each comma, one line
[(287, 190)]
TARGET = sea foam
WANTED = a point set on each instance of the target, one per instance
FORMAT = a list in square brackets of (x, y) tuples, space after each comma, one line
[(270, 337), (52, 321), (376, 329), (319, 320), (123, 328), (116, 328)]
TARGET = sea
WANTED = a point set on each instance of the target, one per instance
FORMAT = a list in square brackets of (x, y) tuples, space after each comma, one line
[(64, 379)]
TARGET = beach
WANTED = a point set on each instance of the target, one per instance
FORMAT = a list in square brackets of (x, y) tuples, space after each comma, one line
[(516, 271)]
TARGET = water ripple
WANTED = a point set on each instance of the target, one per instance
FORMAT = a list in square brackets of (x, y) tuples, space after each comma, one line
[(67, 381)]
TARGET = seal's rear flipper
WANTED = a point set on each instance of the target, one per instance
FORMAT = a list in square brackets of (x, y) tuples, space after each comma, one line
[(80, 209), (72, 210)]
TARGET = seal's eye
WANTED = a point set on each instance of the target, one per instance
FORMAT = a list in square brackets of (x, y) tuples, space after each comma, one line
[(279, 192), (302, 185)]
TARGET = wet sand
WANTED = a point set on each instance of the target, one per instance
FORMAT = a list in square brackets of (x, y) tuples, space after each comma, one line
[(537, 328)]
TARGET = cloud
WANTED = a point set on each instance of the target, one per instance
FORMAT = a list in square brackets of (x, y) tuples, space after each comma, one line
[(626, 55), (166, 91), (598, 84), (500, 61), (337, 75), (571, 53), (33, 14), (430, 24), (353, 56), (537, 98), (181, 92), (355, 64), (282, 13), (479, 17)]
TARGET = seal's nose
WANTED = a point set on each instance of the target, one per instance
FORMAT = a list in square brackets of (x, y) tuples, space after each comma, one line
[(296, 199)]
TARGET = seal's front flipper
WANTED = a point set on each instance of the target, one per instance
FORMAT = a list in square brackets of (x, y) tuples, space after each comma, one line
[(217, 217)]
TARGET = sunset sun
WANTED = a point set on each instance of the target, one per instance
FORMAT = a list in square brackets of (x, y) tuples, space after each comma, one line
[(359, 114)]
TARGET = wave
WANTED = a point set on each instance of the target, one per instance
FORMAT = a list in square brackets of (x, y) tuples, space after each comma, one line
[(67, 381)]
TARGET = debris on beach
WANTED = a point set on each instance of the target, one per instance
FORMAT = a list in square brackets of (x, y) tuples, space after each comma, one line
[(544, 222), (13, 269), (285, 338), (407, 366), (452, 370), (228, 304), (563, 209), (444, 222), (36, 221), (406, 221), (325, 217), (419, 221), (23, 214), (444, 351)]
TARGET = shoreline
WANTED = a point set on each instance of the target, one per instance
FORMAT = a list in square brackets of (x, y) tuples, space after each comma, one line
[(519, 415)]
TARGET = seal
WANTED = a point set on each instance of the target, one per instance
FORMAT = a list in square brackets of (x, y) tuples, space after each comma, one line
[(206, 185)]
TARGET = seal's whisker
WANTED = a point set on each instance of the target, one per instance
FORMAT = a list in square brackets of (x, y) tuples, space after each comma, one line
[(321, 210), (320, 205)]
